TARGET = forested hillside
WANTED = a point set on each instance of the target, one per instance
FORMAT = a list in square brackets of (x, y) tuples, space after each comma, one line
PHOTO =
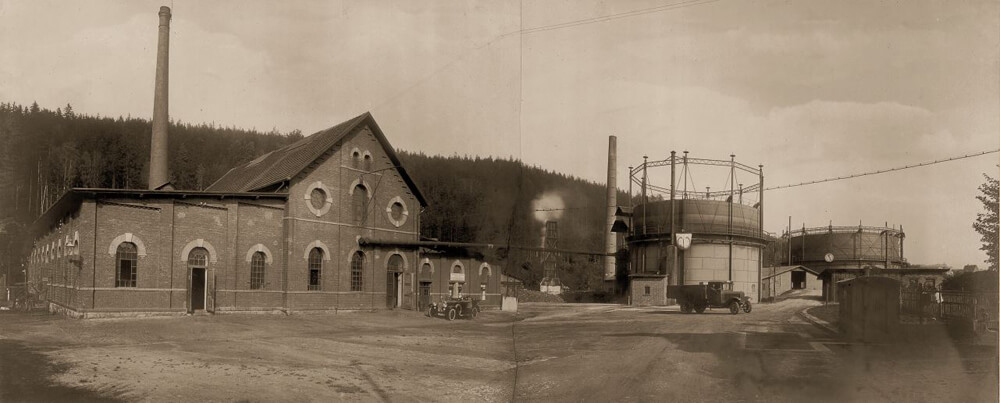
[(44, 152)]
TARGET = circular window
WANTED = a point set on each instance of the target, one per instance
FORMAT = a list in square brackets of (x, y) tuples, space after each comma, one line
[(318, 199), (397, 211)]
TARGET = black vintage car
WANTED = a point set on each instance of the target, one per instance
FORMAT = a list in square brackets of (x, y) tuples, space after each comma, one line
[(451, 308), (715, 294)]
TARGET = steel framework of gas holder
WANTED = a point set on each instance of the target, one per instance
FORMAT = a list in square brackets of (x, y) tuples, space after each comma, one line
[(730, 216), (640, 177)]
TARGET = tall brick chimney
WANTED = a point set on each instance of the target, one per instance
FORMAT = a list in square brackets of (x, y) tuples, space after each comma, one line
[(158, 172), (610, 238)]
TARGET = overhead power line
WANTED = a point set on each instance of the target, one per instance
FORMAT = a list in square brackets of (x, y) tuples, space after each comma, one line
[(568, 24), (521, 31), (922, 164)]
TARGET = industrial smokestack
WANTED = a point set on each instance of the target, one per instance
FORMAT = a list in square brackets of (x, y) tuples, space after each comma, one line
[(610, 238), (158, 173)]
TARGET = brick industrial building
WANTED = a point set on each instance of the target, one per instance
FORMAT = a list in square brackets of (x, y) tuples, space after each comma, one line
[(330, 222), (302, 228)]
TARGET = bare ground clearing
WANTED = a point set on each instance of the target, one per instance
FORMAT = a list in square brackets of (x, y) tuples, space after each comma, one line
[(397, 356), (565, 352)]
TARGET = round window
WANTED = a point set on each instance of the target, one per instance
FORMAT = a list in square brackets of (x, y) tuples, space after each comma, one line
[(317, 198), (396, 210)]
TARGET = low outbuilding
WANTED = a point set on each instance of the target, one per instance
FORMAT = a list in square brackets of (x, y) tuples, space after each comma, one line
[(777, 280)]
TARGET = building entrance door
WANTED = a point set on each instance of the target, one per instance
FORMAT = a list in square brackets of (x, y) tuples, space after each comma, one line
[(798, 280), (424, 300), (392, 289), (198, 288)]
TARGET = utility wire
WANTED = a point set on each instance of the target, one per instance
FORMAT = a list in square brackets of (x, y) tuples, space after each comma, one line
[(521, 32), (568, 24), (922, 164)]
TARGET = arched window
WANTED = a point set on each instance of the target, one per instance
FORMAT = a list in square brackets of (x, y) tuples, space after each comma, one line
[(456, 269), (485, 271), (357, 265), (359, 202), (395, 264), (257, 271), (198, 257), (356, 159), (368, 162), (425, 271), (315, 269), (127, 259)]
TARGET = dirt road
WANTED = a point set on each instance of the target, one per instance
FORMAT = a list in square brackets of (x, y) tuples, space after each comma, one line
[(564, 352), (614, 353)]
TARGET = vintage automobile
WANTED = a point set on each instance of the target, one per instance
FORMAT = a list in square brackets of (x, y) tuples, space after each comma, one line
[(715, 294), (451, 308)]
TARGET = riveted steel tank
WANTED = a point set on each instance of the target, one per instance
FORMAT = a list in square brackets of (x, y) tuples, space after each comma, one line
[(720, 250), (852, 247)]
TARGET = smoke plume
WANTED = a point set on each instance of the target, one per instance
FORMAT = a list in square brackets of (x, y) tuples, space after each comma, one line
[(548, 207)]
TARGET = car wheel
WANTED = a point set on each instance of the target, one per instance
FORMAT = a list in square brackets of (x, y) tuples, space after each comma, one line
[(699, 309), (685, 307), (734, 307), (747, 307), (431, 311), (475, 312), (452, 314)]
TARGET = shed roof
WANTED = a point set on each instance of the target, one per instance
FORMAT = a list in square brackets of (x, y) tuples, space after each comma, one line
[(772, 271), (285, 163)]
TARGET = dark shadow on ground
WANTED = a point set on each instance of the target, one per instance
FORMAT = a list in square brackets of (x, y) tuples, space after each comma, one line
[(796, 295), (27, 375), (752, 376), (707, 312)]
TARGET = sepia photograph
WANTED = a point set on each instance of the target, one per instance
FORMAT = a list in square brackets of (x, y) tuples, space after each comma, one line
[(499, 201)]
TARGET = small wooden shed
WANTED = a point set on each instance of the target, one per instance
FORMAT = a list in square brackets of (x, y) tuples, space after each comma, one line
[(869, 308)]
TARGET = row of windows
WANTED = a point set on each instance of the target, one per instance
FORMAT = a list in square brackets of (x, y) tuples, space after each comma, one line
[(361, 162), (357, 269), (126, 259)]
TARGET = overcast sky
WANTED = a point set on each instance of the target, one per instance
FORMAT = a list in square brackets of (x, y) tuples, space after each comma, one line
[(809, 89)]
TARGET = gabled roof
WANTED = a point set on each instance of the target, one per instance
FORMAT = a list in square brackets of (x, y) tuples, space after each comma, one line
[(284, 163), (769, 272)]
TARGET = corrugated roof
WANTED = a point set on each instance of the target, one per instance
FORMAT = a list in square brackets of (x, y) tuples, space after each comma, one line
[(286, 162)]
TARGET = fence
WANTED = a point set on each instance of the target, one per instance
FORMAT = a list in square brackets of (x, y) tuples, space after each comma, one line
[(949, 305)]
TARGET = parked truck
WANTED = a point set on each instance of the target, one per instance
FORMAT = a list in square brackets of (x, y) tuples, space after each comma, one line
[(714, 294)]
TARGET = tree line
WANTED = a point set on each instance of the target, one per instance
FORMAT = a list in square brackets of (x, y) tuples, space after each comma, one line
[(44, 153)]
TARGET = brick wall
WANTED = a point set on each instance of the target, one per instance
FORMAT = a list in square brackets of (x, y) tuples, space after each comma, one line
[(657, 291), (166, 230), (338, 230)]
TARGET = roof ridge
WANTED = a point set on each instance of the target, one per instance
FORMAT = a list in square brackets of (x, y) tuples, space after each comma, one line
[(344, 127)]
